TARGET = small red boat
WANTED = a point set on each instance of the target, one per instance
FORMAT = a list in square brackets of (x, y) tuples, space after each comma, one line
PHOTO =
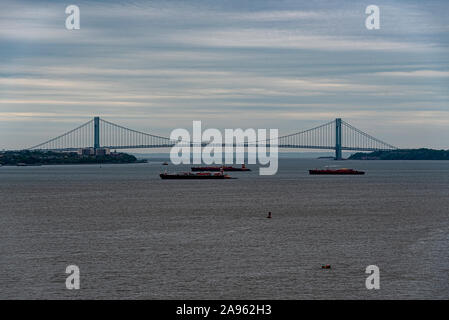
[(335, 171)]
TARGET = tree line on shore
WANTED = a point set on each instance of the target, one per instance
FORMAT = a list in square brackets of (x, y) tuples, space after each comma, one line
[(403, 154), (28, 157)]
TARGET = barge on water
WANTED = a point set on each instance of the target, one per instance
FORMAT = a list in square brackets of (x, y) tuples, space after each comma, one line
[(189, 175), (342, 171), (219, 168)]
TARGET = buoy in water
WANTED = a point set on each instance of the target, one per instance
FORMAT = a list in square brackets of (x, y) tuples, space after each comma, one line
[(269, 215)]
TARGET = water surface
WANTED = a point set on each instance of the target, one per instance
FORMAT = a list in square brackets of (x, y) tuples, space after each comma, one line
[(136, 236)]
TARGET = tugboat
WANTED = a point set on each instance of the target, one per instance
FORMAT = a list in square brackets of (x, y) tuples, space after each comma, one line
[(343, 171), (200, 175), (219, 168)]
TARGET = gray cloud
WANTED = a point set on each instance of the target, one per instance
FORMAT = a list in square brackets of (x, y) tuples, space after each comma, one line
[(159, 65)]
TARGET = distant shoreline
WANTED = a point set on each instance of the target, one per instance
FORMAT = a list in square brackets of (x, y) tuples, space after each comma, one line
[(27, 158), (403, 154), (72, 164)]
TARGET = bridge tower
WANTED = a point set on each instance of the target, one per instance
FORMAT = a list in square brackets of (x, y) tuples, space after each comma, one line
[(338, 139), (96, 132)]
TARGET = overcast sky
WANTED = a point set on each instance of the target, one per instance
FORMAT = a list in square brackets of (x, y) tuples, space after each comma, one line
[(157, 65)]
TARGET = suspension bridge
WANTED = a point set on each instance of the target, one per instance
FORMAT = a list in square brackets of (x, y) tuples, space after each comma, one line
[(97, 133)]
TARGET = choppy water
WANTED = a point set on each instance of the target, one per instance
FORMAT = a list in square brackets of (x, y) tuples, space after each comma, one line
[(136, 236)]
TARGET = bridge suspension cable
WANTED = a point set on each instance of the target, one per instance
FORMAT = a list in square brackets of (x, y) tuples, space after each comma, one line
[(320, 137), (355, 139), (79, 137), (115, 136)]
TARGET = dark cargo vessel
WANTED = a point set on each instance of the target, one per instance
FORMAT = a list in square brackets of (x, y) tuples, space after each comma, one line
[(219, 168), (201, 175), (343, 171)]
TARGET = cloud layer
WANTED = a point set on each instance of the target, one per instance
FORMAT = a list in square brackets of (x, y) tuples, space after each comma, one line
[(158, 65)]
